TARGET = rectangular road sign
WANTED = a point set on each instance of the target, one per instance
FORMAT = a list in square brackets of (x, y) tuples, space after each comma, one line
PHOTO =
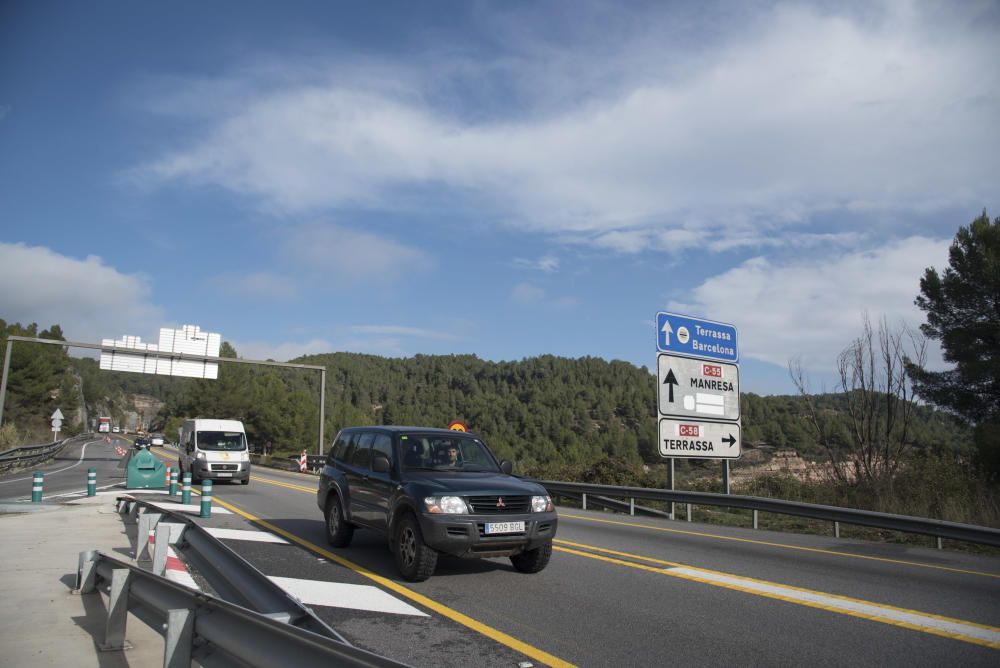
[(695, 337), (698, 439), (694, 388)]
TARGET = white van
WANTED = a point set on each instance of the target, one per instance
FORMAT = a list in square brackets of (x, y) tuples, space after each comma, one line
[(214, 449)]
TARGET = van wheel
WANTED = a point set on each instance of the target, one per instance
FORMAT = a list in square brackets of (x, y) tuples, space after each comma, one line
[(415, 560), (532, 561), (339, 531)]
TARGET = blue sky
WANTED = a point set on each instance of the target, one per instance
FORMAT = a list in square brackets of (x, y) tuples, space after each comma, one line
[(503, 179)]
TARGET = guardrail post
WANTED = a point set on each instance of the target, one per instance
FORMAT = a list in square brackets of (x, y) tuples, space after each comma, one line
[(180, 635), (147, 523), (584, 498), (631, 505), (755, 519), (86, 572), (688, 512), (206, 498), (939, 545), (173, 482), (836, 529), (91, 481), (186, 489), (114, 631), (37, 481), (165, 535)]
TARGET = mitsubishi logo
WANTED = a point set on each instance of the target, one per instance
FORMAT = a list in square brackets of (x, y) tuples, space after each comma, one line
[(500, 503)]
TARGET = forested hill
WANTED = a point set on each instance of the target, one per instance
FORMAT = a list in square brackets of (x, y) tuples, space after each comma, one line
[(550, 414), (541, 411)]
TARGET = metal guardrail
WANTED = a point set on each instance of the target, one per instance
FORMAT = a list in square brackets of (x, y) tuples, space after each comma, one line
[(252, 621), (604, 495), (26, 455), (200, 627)]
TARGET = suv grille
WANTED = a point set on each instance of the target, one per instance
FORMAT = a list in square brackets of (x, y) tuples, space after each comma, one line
[(491, 505), (225, 467)]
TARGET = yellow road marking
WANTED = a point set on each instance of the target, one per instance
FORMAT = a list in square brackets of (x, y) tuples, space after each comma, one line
[(732, 582), (784, 546), (454, 615)]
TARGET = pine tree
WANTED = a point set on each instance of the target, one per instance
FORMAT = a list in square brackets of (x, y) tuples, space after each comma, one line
[(963, 313)]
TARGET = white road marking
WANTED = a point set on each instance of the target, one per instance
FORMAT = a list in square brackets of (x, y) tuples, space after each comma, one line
[(340, 595), (190, 508), (83, 453), (242, 534), (845, 605)]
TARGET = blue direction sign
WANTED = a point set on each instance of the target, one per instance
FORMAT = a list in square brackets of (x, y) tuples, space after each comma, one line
[(695, 337)]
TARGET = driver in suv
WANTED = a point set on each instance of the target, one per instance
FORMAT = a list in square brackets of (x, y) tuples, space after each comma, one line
[(433, 491)]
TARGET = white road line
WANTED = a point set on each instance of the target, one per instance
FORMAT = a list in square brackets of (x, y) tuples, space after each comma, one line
[(83, 453), (242, 534), (190, 508), (340, 595), (850, 606)]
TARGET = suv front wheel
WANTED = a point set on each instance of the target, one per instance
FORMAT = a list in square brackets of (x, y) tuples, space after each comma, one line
[(415, 560), (532, 561), (338, 530)]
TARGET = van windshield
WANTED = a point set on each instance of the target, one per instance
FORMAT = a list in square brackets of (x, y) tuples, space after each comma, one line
[(221, 440)]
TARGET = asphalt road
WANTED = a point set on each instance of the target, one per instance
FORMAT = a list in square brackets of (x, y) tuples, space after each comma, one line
[(622, 591)]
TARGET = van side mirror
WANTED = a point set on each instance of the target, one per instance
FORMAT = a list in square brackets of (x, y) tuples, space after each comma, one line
[(381, 463), (507, 466)]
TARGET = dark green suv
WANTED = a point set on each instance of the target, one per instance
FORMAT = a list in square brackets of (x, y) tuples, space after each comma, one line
[(433, 491)]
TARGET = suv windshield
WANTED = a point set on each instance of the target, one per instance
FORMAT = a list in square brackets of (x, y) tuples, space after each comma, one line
[(221, 440), (445, 453)]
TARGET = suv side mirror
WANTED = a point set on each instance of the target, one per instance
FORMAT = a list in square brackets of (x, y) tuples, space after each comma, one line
[(507, 466), (381, 464)]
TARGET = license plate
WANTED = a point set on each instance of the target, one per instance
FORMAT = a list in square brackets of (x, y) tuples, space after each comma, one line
[(504, 527), (224, 475)]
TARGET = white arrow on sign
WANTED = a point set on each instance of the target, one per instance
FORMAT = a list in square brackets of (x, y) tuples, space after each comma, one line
[(57, 415), (667, 330)]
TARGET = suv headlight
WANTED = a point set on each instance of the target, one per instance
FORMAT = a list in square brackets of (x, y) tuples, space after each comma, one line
[(541, 504), (449, 505), (201, 455), (245, 456)]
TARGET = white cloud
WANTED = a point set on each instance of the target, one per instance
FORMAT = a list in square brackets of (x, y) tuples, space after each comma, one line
[(813, 309), (547, 263), (528, 294), (800, 112), (256, 285), (88, 299), (352, 257), (283, 351), (395, 330)]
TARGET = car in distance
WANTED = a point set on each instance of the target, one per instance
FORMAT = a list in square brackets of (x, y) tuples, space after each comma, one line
[(156, 439), (430, 492), (141, 442)]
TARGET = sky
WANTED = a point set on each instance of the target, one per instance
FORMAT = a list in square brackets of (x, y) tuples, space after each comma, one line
[(503, 179)]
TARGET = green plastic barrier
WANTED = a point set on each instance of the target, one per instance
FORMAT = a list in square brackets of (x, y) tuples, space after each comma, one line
[(144, 471)]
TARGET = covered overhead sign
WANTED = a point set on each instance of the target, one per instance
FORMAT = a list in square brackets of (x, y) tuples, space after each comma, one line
[(688, 387), (699, 440), (131, 354)]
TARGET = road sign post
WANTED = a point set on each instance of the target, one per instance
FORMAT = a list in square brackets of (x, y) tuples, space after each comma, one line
[(57, 420), (699, 439), (696, 337), (697, 390)]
